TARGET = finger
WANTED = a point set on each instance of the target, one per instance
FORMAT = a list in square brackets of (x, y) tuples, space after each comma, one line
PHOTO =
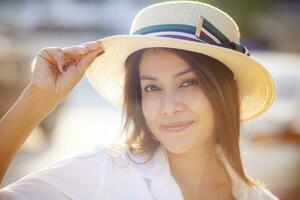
[(87, 61), (93, 45), (60, 59), (46, 58), (82, 49), (74, 60), (54, 56), (76, 50)]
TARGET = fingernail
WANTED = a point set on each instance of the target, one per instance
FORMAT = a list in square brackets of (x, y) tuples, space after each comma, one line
[(100, 53)]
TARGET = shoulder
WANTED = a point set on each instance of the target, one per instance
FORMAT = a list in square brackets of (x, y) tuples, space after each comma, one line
[(86, 162), (95, 159), (99, 154), (77, 176)]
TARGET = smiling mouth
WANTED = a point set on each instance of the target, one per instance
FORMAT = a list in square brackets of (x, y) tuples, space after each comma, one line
[(176, 127)]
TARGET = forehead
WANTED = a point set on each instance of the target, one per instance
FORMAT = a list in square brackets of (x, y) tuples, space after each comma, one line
[(158, 62)]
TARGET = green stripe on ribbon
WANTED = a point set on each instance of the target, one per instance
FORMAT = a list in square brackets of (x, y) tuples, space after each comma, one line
[(239, 48), (167, 27), (213, 30)]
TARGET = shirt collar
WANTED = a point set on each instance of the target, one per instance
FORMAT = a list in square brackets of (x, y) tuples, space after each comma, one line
[(157, 169)]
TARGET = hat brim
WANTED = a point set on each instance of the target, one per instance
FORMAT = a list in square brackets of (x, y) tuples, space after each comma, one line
[(107, 74)]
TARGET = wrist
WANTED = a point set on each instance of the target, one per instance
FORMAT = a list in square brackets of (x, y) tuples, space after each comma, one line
[(40, 97)]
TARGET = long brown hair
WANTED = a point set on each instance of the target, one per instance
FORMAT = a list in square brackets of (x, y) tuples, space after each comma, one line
[(217, 83)]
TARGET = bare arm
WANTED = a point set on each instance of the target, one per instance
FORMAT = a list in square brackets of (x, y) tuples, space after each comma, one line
[(57, 71), (17, 124)]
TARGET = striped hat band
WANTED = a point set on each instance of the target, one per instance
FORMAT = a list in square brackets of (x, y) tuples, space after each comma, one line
[(205, 32)]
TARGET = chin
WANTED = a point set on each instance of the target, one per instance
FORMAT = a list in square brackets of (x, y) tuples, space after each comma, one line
[(177, 148)]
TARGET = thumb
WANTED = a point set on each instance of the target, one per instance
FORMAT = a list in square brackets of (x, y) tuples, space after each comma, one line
[(87, 60)]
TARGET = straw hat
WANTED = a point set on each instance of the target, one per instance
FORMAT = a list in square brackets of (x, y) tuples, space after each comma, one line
[(191, 26)]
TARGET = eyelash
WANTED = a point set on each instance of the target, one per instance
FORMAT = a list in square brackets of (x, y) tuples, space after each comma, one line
[(194, 82)]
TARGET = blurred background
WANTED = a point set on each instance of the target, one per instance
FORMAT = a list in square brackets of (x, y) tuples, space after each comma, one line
[(269, 28)]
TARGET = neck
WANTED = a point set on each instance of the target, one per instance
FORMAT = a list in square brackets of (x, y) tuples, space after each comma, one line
[(198, 168)]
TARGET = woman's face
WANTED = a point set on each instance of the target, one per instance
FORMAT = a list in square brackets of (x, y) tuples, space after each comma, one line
[(175, 108)]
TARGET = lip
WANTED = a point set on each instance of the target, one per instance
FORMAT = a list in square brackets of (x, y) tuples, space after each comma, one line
[(176, 127)]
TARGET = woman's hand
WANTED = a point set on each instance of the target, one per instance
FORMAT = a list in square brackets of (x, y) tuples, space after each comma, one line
[(58, 70)]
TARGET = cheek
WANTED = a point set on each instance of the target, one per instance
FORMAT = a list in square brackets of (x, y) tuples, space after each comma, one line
[(150, 105), (199, 105), (195, 99)]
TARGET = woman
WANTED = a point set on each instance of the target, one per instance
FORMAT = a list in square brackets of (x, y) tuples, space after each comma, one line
[(181, 77)]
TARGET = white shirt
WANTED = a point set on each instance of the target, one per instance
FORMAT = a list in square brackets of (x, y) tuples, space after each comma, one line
[(108, 175)]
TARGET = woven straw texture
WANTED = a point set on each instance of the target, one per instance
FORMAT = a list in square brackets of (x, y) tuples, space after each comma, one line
[(106, 73)]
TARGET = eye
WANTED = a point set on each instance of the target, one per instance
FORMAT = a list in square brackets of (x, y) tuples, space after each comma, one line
[(150, 88), (189, 82)]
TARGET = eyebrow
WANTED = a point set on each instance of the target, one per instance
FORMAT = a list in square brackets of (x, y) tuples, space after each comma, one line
[(146, 77)]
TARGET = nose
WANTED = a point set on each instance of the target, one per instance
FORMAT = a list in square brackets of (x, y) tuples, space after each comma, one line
[(171, 104)]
